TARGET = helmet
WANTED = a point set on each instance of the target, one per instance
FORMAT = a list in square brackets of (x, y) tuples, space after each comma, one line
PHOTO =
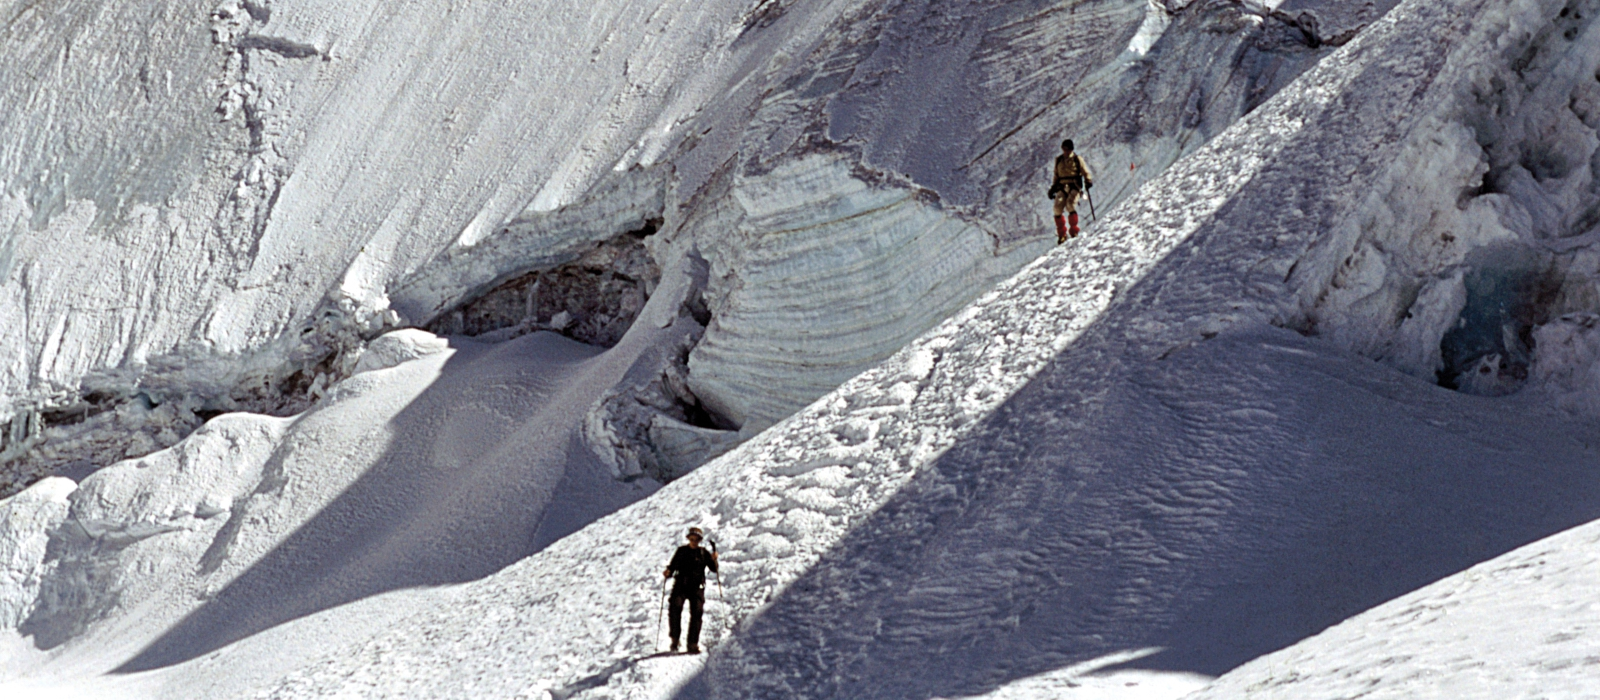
[(695, 532)]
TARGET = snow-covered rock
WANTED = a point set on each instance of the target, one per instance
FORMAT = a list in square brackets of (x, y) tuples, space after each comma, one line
[(395, 347), (26, 521)]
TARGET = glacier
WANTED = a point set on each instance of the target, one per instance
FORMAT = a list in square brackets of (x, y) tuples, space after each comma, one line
[(353, 200), (780, 270)]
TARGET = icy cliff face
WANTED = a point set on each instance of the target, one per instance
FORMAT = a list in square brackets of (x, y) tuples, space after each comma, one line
[(222, 221), (283, 181)]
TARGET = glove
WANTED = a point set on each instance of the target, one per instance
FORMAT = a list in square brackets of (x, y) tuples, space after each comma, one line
[(1088, 185), (1053, 192)]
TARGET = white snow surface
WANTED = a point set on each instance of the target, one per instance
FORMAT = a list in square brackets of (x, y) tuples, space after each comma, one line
[(437, 470), (1203, 433), (1522, 625), (25, 524), (396, 347), (1117, 450)]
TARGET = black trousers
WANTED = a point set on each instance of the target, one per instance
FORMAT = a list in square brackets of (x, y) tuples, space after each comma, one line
[(697, 606)]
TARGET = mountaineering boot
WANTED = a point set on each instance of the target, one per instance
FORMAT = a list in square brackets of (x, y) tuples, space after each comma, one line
[(674, 647), (694, 649), (1072, 219), (1061, 229)]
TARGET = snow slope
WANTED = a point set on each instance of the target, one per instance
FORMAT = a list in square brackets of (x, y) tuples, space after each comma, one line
[(1521, 625), (1207, 431), (438, 470)]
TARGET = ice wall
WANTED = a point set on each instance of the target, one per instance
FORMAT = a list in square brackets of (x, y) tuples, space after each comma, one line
[(897, 168), (285, 180), (1482, 235), (211, 200), (827, 275)]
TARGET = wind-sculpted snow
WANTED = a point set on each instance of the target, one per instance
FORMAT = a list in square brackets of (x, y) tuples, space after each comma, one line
[(1114, 450), (1521, 625)]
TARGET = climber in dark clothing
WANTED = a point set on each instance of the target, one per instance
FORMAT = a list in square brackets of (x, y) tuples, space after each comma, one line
[(688, 570)]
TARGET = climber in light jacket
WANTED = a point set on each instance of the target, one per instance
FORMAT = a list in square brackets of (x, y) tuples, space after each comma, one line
[(1072, 179)]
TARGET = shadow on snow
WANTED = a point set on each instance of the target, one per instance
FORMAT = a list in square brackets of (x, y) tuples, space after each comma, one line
[(484, 468), (1220, 504)]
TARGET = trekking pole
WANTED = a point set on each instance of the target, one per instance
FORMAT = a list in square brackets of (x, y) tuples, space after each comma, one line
[(721, 598), (719, 574), (1090, 196), (661, 619)]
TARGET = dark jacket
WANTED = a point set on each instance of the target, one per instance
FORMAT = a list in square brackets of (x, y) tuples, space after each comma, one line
[(688, 567)]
